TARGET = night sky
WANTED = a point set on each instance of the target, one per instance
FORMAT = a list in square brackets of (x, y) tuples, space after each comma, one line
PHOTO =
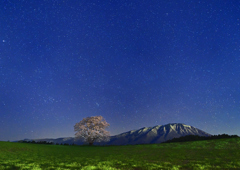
[(137, 63)]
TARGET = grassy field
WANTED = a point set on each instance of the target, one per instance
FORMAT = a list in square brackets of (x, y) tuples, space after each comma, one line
[(211, 154)]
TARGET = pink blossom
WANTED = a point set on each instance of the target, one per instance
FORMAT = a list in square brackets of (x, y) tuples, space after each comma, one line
[(92, 129)]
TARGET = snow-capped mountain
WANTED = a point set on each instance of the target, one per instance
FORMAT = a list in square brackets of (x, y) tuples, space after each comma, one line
[(146, 135), (156, 134)]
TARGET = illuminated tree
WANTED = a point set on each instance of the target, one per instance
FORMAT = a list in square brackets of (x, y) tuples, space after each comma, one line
[(92, 129)]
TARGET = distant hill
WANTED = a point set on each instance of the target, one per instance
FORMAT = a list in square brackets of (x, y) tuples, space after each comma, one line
[(145, 135)]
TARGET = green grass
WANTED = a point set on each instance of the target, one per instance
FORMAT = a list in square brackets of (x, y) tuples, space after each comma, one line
[(211, 154)]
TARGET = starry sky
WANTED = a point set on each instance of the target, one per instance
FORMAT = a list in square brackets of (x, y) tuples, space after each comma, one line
[(137, 63)]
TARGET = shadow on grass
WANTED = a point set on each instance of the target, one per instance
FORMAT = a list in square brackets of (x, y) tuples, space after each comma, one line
[(9, 167)]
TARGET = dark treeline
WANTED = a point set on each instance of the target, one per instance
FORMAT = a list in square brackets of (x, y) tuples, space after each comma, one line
[(180, 139), (42, 142), (34, 142), (197, 138)]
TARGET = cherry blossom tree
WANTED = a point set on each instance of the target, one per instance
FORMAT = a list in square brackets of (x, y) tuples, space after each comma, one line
[(92, 129)]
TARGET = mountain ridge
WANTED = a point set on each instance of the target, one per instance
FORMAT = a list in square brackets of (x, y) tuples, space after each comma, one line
[(157, 134), (144, 135)]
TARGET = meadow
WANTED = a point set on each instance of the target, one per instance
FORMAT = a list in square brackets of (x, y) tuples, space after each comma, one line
[(207, 154)]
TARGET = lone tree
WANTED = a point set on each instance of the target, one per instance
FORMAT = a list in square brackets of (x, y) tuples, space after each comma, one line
[(92, 129)]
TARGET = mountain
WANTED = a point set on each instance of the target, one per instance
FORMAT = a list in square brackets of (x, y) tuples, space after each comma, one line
[(145, 135), (156, 134)]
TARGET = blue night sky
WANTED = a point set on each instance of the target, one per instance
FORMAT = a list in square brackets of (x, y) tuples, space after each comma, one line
[(137, 63)]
